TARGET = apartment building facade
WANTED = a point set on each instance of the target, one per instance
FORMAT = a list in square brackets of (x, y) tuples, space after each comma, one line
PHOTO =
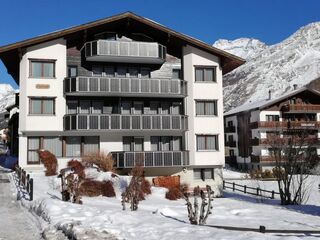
[(127, 86), (250, 128)]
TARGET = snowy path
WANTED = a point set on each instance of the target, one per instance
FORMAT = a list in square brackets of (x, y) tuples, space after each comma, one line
[(15, 221)]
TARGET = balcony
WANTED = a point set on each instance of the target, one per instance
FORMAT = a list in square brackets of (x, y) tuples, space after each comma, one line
[(126, 52), (103, 122), (104, 86), (281, 141), (286, 125), (151, 159), (232, 144), (262, 159), (230, 129), (301, 108)]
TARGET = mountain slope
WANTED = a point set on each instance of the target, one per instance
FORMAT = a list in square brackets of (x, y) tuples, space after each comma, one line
[(7, 96), (296, 60)]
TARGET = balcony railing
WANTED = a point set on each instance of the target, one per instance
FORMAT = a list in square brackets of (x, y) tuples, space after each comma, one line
[(230, 129), (125, 51), (262, 159), (286, 124), (125, 122), (151, 159), (125, 86), (280, 141), (301, 108)]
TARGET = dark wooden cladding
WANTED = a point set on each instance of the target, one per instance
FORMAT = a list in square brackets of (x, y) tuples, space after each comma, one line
[(244, 135)]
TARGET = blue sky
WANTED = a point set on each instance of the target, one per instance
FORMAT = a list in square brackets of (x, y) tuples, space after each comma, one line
[(270, 21)]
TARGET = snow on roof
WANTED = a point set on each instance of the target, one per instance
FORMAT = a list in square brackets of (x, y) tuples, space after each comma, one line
[(266, 102)]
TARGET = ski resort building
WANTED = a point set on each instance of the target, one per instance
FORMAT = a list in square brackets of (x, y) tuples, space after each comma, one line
[(249, 128), (124, 85)]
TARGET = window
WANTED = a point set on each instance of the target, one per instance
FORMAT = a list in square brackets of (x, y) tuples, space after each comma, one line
[(272, 118), (207, 142), (230, 123), (145, 72), (42, 68), (84, 106), (154, 107), (73, 146), (137, 108), (109, 71), (126, 107), (96, 70), (133, 144), (166, 143), (53, 145), (72, 71), (133, 71), (72, 107), (203, 173), (206, 107), (205, 74), (122, 71), (176, 108), (231, 152), (91, 144), (45, 106), (33, 147), (176, 73), (97, 107)]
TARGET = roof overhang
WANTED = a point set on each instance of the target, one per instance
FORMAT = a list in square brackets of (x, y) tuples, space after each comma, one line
[(10, 54)]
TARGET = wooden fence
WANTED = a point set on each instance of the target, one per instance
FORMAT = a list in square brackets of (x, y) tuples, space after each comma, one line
[(25, 181), (249, 190)]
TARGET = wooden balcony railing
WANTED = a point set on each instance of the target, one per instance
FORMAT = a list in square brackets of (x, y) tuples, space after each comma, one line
[(151, 159), (125, 122), (286, 124), (125, 86), (262, 159), (302, 108), (294, 140)]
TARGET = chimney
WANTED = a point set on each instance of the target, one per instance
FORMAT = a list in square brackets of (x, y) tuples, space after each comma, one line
[(295, 86), (269, 95)]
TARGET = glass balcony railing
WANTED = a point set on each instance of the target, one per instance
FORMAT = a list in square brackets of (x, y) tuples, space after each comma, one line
[(125, 51), (125, 122)]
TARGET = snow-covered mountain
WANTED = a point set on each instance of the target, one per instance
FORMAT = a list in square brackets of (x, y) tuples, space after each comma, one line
[(243, 47), (7, 96), (296, 60)]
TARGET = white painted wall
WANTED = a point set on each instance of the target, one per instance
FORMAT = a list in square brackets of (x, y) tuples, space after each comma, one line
[(203, 125), (255, 116)]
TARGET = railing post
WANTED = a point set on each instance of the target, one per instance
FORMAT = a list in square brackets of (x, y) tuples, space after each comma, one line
[(272, 194), (245, 188), (258, 189), (31, 189), (233, 186), (223, 184)]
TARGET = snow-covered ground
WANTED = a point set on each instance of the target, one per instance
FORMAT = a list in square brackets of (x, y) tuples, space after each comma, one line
[(159, 218)]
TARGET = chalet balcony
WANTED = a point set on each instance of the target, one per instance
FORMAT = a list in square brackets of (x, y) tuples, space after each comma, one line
[(262, 159), (232, 144), (230, 129), (151, 159), (286, 125), (104, 86), (294, 140), (114, 122), (301, 108), (125, 51)]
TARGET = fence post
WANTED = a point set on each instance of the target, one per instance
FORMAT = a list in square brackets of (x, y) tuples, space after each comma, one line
[(223, 184), (245, 188), (272, 194), (233, 186), (258, 189), (31, 189)]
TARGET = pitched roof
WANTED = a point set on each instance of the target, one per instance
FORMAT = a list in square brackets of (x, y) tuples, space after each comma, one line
[(261, 104), (229, 61)]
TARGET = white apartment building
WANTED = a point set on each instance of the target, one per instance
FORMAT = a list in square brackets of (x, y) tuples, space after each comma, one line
[(125, 85)]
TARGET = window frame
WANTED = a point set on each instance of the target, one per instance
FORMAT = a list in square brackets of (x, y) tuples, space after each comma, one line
[(202, 174), (199, 67), (206, 142), (42, 61), (206, 101), (42, 99), (69, 67)]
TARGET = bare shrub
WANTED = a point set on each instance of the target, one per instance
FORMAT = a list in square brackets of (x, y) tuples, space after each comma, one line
[(136, 190), (199, 216), (94, 188), (102, 160), (177, 192), (49, 161), (77, 168)]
